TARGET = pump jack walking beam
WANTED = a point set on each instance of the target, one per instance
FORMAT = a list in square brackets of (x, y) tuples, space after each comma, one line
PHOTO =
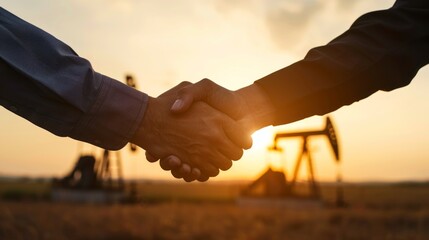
[(328, 131)]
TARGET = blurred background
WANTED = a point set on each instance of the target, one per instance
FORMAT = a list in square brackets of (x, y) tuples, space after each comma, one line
[(232, 42)]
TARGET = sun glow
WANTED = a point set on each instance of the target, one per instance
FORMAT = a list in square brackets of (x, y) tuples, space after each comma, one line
[(263, 138)]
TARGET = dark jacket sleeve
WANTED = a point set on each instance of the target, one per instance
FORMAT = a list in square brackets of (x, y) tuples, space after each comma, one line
[(46, 82), (382, 50)]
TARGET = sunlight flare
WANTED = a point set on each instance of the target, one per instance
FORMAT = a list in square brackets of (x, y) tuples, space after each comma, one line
[(263, 138)]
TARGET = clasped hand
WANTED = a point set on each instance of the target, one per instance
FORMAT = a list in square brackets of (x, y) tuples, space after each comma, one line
[(195, 130)]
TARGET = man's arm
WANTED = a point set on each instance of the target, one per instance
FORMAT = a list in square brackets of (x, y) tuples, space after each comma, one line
[(46, 82), (382, 50)]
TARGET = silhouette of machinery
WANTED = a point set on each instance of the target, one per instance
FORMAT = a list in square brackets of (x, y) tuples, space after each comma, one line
[(100, 176), (90, 174), (273, 184)]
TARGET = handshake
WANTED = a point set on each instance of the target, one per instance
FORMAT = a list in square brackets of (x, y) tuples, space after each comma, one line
[(195, 130)]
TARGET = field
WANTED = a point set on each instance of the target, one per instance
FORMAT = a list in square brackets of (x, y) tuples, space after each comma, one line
[(208, 211)]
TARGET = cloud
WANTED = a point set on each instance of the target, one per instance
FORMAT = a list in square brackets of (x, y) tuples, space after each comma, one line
[(295, 25), (287, 21)]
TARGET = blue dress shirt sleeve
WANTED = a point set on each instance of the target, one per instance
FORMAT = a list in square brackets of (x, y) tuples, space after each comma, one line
[(45, 81)]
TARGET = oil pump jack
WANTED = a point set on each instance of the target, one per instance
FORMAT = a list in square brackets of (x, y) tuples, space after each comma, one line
[(95, 180), (273, 184)]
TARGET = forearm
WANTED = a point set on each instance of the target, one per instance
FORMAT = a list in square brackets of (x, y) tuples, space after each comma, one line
[(46, 82), (381, 51), (260, 110)]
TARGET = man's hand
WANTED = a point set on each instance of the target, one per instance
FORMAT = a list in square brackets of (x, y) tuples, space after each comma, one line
[(204, 139), (249, 106)]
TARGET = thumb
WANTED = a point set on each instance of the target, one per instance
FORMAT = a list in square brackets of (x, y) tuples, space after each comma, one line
[(187, 95), (184, 101)]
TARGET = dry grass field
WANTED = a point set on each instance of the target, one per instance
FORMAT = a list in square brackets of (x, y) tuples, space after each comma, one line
[(208, 211)]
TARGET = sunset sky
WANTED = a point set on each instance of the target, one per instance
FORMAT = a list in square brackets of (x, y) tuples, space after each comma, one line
[(232, 42)]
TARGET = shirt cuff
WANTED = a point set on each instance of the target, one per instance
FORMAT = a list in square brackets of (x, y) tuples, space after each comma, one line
[(114, 116)]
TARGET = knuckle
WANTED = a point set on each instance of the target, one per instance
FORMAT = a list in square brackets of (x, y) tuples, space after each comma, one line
[(184, 84), (206, 81), (183, 90), (164, 164)]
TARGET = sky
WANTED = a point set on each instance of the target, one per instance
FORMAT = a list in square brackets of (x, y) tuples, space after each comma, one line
[(232, 42)]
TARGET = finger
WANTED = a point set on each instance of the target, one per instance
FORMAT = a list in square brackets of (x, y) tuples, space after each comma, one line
[(209, 170), (176, 173), (185, 99), (206, 166), (189, 178), (196, 173), (182, 171), (221, 162), (218, 97), (237, 133), (170, 162), (230, 150), (196, 92), (203, 178), (210, 161), (151, 158), (185, 169)]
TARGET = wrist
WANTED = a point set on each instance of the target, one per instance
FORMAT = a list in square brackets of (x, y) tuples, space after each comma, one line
[(261, 111), (142, 135)]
